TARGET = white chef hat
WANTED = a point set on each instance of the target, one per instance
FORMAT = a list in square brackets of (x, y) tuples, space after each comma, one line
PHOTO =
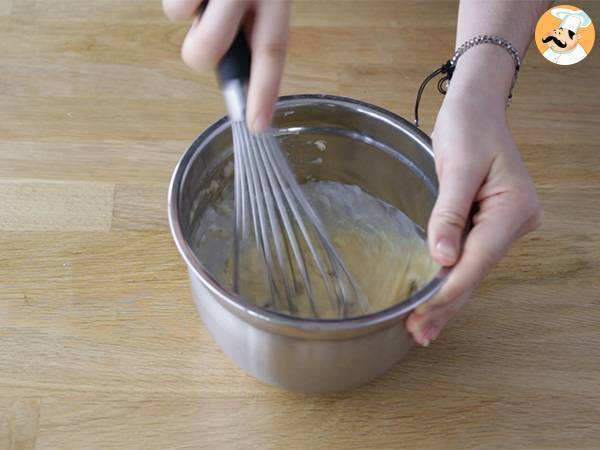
[(571, 19)]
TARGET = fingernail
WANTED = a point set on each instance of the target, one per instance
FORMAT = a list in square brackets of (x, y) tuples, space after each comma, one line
[(420, 339), (446, 251), (430, 333), (425, 338)]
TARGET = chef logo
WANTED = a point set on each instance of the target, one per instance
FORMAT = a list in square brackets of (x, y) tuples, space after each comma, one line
[(564, 35)]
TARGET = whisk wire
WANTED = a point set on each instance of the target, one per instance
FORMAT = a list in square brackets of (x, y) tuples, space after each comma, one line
[(295, 197), (258, 207), (270, 203), (283, 205), (248, 181), (273, 225), (268, 195), (241, 204)]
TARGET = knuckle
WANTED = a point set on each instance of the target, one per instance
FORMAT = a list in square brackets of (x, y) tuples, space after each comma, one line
[(199, 54), (169, 8), (189, 56), (177, 10), (464, 165), (450, 217), (459, 165), (275, 49), (531, 209)]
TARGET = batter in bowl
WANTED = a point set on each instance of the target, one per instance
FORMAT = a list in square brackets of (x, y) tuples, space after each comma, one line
[(381, 247)]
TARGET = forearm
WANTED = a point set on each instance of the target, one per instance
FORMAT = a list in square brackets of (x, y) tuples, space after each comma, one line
[(487, 70)]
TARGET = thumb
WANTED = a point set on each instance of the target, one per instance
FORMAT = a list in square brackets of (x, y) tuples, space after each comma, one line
[(459, 183)]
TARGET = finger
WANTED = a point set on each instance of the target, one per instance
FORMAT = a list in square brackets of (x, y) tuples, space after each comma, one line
[(212, 34), (180, 9), (426, 327), (269, 45), (459, 182), (497, 225), (503, 217), (484, 247)]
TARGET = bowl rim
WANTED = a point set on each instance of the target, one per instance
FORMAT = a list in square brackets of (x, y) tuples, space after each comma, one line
[(271, 319)]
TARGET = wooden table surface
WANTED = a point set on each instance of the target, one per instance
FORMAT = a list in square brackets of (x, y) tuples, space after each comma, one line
[(100, 345)]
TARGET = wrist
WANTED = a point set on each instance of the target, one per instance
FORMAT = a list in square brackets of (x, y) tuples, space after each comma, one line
[(484, 74)]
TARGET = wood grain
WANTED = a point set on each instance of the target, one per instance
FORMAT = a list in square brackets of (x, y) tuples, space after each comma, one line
[(55, 206), (100, 344)]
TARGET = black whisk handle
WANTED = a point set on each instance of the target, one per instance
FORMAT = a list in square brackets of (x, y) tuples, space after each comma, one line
[(235, 64)]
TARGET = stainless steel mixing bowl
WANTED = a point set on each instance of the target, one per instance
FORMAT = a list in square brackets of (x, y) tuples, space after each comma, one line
[(330, 138)]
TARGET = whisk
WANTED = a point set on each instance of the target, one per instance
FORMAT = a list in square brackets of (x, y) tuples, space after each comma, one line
[(272, 210)]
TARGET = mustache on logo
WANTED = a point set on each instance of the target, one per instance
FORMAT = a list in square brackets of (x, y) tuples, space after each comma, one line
[(555, 40)]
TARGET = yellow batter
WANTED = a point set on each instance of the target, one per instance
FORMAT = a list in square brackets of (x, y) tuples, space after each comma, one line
[(378, 243)]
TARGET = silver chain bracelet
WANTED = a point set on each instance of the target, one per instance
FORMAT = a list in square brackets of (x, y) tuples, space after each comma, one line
[(447, 69)]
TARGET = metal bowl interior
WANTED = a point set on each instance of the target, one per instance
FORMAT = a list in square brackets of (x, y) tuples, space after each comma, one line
[(325, 138)]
